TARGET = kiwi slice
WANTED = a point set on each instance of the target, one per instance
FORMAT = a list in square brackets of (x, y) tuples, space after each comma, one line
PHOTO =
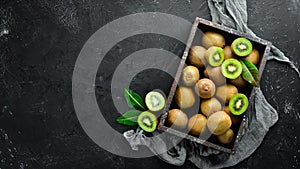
[(214, 56), (231, 68), (147, 121), (238, 104), (155, 101), (241, 47)]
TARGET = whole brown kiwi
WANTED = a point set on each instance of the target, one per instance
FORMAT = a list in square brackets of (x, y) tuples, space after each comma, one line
[(196, 56), (218, 123), (234, 119), (226, 92), (228, 52), (184, 97), (205, 88), (210, 106), (227, 137), (253, 57), (215, 74), (196, 124), (190, 75), (177, 118), (239, 82), (213, 39)]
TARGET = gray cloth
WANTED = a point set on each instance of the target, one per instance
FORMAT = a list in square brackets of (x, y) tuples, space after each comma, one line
[(231, 13)]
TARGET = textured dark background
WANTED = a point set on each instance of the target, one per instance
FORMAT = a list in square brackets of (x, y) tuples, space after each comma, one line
[(40, 41)]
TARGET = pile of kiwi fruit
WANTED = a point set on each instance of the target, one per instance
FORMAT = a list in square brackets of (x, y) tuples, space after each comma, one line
[(213, 75)]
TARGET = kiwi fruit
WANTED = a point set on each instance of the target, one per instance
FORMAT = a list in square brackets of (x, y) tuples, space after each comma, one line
[(197, 124), (238, 104), (214, 56), (215, 74), (234, 119), (227, 137), (147, 121), (218, 123), (227, 52), (184, 97), (239, 82), (253, 57), (177, 118), (196, 56), (241, 47), (213, 39), (205, 88), (155, 101), (226, 92), (210, 106), (231, 68), (190, 75)]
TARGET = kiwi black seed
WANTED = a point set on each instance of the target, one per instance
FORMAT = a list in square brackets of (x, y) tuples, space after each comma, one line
[(231, 68), (241, 47), (238, 104), (155, 101), (213, 39), (147, 121), (190, 75), (196, 56), (214, 56)]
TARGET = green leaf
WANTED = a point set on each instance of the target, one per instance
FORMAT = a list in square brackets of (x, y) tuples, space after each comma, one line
[(134, 100), (250, 72), (129, 118)]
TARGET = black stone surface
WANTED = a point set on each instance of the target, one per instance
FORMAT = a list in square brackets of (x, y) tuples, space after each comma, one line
[(40, 41)]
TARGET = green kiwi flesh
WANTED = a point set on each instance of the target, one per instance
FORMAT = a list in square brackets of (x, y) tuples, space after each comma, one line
[(147, 121), (238, 104), (155, 101), (231, 68)]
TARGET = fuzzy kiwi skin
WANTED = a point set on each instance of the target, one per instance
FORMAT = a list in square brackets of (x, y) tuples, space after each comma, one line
[(226, 92), (215, 74), (205, 88), (197, 124), (196, 56), (239, 82), (210, 106), (227, 137), (253, 57), (213, 39), (235, 119), (218, 123), (177, 118), (184, 97), (228, 52), (190, 75)]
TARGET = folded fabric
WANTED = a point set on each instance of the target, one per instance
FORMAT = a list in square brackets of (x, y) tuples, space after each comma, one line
[(260, 116)]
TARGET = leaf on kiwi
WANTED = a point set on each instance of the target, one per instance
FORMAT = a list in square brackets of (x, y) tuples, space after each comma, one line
[(134, 100), (250, 72), (129, 118)]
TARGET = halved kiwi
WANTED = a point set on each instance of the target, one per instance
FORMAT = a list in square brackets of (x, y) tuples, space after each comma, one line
[(214, 56), (241, 47), (231, 68), (190, 75), (238, 104), (147, 121), (155, 101)]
